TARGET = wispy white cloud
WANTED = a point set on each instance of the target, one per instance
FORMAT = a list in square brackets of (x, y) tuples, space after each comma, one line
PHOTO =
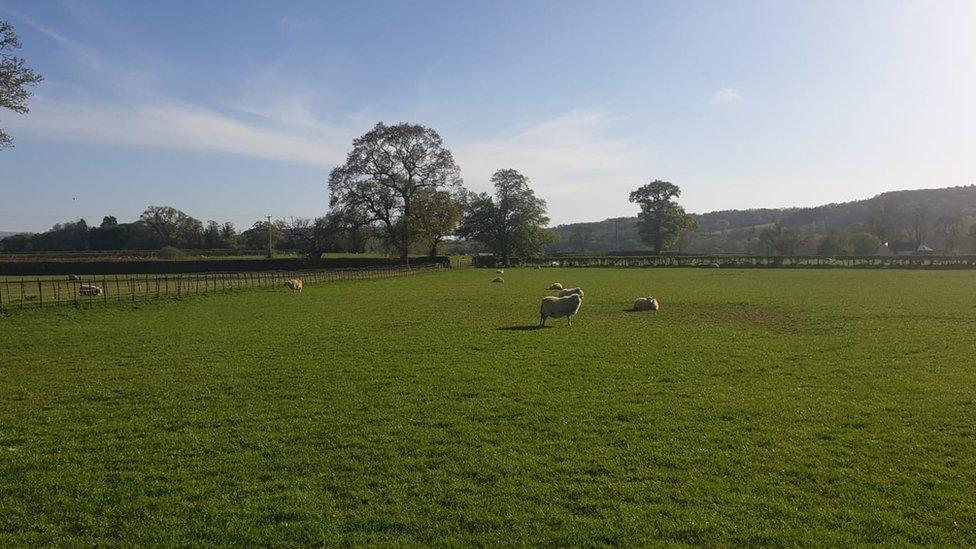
[(125, 106), (726, 95), (571, 159), (559, 151), (169, 124), (294, 24)]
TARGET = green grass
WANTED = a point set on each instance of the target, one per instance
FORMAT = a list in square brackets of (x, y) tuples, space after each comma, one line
[(757, 407)]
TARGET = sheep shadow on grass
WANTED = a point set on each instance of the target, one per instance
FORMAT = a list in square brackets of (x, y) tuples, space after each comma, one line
[(524, 328)]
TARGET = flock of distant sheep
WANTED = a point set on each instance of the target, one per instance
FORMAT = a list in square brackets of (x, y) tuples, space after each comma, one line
[(567, 301)]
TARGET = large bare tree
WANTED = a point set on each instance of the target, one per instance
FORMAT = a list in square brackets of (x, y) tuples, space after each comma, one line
[(386, 169), (16, 78)]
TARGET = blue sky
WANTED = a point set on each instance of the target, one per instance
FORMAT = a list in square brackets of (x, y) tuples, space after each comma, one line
[(231, 110)]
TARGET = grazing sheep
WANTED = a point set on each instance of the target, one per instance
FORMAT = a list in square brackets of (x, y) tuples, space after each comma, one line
[(557, 307), (89, 290), (571, 291), (294, 285), (555, 286), (499, 272), (499, 280), (73, 277), (646, 304)]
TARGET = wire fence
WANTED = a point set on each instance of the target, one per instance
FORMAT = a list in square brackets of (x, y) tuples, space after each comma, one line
[(23, 292)]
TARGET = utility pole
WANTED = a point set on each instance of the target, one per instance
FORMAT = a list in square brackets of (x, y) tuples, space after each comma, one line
[(269, 237)]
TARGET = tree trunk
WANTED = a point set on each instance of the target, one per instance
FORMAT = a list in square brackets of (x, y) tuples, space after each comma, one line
[(405, 237)]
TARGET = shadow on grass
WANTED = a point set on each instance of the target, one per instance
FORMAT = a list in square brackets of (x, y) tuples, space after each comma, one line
[(524, 328)]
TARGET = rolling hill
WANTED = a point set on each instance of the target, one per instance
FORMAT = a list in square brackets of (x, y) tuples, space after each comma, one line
[(940, 217)]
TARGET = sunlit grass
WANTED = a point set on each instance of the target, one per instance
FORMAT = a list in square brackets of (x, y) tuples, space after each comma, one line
[(757, 407)]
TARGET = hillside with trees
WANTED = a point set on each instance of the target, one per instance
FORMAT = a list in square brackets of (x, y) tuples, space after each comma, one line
[(944, 219)]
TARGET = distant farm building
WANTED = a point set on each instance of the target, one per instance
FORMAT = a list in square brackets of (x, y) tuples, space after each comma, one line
[(903, 248)]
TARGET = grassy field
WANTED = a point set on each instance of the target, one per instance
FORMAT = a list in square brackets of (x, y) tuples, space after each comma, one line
[(757, 407)]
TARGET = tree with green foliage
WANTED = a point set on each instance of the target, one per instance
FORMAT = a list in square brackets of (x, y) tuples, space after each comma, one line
[(172, 227), (16, 78), (436, 214), (70, 236), (887, 221), (661, 220), (837, 242), (950, 229), (780, 241), (512, 223), (257, 236), (384, 172), (863, 243), (340, 230)]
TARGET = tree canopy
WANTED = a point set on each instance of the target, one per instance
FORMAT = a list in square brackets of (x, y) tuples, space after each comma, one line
[(16, 78), (172, 227), (510, 224), (661, 220), (384, 172), (435, 215)]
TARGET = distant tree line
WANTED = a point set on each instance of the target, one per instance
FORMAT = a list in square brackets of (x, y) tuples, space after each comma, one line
[(943, 219), (158, 227), (400, 191)]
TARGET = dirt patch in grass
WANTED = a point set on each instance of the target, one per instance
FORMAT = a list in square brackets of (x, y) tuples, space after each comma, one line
[(745, 315)]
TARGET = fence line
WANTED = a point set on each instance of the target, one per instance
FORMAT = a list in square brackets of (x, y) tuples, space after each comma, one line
[(24, 293), (750, 261)]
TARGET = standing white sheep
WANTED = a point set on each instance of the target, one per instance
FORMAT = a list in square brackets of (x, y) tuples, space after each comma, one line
[(557, 307)]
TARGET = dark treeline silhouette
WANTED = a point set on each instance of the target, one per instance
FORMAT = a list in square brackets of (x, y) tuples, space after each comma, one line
[(161, 227)]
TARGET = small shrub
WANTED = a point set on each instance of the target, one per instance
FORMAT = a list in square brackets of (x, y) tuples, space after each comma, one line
[(169, 252)]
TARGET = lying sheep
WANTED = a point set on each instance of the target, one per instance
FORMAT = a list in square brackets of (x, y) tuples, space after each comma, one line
[(89, 290), (294, 285), (499, 280), (500, 272), (571, 291), (646, 304), (555, 286), (557, 307), (72, 278)]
